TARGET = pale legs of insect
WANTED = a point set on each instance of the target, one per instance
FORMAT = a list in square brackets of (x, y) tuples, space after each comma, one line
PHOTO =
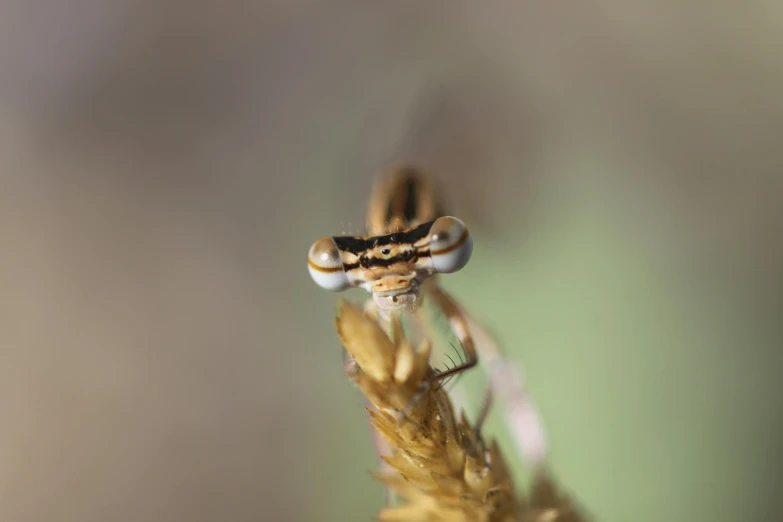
[(504, 380), (507, 382)]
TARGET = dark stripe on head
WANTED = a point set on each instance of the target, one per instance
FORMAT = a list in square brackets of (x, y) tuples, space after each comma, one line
[(372, 262), (357, 245)]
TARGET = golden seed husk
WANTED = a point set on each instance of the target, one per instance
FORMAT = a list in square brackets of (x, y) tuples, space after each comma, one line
[(438, 464)]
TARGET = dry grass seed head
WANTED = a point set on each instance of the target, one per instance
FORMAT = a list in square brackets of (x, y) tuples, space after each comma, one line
[(439, 464)]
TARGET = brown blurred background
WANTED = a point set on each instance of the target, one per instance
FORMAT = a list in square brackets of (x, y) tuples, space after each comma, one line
[(165, 166)]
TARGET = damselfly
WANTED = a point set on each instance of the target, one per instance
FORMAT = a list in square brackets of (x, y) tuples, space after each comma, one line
[(410, 240)]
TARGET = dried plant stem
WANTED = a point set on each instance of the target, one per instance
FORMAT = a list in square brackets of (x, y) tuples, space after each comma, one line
[(439, 464)]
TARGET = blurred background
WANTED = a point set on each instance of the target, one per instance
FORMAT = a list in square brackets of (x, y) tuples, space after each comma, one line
[(165, 166)]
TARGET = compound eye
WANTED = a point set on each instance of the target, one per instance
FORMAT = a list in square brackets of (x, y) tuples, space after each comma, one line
[(450, 244), (326, 265)]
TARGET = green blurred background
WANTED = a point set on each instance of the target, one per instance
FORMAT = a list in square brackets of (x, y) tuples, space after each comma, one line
[(165, 166)]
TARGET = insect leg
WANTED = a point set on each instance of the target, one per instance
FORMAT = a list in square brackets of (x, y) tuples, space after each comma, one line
[(459, 324), (507, 382)]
